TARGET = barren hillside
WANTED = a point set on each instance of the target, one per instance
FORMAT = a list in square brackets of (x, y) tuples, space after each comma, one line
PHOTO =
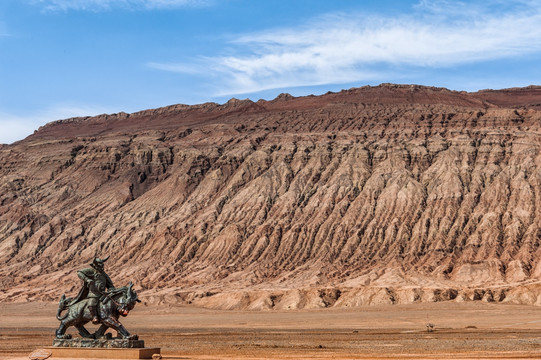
[(386, 194)]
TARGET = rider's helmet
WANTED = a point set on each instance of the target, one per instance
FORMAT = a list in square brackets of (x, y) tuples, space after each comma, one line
[(98, 263)]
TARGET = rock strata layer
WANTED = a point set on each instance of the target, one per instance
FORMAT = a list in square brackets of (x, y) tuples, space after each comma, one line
[(386, 194)]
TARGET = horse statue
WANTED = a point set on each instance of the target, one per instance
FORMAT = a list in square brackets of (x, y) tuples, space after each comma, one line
[(117, 302)]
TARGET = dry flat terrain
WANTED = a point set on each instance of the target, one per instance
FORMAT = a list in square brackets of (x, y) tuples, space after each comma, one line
[(462, 331)]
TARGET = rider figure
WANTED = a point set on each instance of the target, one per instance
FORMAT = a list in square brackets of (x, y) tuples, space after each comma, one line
[(97, 283)]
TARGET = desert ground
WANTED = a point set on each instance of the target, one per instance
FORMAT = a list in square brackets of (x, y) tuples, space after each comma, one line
[(461, 331)]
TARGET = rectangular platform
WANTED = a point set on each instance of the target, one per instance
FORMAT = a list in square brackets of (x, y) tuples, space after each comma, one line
[(98, 343), (102, 353)]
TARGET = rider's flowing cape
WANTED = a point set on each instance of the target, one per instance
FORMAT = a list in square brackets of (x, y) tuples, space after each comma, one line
[(83, 293)]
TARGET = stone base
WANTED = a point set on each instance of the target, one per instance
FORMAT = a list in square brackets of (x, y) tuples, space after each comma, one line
[(102, 353), (99, 343)]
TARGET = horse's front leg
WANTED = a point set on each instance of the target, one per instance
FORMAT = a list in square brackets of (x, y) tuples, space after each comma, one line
[(83, 331), (101, 331), (120, 329)]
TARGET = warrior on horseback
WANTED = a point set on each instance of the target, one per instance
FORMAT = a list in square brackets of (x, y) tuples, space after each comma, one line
[(98, 301)]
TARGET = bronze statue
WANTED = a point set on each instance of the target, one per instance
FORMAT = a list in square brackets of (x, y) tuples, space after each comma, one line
[(98, 301)]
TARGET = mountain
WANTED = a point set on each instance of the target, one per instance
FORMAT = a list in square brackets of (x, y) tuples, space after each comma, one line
[(384, 194)]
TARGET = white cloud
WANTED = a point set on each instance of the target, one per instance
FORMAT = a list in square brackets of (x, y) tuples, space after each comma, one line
[(341, 48), (17, 127), (179, 68), (100, 5)]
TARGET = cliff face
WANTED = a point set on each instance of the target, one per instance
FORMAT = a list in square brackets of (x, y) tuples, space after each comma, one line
[(387, 194)]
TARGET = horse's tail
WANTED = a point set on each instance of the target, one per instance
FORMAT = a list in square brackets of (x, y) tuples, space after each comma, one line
[(62, 305)]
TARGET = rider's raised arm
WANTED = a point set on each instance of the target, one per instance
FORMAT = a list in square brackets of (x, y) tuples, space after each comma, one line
[(83, 276)]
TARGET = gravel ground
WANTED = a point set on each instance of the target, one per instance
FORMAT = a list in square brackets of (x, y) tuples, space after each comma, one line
[(392, 332)]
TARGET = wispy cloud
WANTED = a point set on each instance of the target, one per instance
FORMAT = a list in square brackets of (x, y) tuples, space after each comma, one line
[(179, 68), (340, 48), (21, 126), (101, 5)]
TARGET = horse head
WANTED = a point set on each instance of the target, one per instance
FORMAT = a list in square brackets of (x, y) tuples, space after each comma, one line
[(128, 300)]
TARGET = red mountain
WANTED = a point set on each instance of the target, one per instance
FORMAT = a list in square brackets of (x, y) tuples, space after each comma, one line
[(386, 194)]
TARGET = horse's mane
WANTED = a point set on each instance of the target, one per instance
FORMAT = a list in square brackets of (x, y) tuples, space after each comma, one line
[(119, 291)]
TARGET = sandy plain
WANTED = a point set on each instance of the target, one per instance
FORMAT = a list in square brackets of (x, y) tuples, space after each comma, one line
[(462, 331)]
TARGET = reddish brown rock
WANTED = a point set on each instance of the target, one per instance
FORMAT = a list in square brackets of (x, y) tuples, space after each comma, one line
[(386, 194)]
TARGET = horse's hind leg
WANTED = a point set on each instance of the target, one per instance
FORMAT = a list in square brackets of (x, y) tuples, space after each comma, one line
[(61, 331)]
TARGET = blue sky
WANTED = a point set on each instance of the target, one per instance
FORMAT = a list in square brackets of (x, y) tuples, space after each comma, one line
[(64, 58)]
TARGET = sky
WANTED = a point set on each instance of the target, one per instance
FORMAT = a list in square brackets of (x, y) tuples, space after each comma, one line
[(66, 58)]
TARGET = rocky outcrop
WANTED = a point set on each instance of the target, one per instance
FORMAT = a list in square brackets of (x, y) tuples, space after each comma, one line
[(387, 194)]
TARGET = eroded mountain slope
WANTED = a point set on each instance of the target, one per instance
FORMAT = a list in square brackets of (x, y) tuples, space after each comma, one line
[(388, 194)]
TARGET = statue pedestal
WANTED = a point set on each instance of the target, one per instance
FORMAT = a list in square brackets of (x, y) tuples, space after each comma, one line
[(101, 349), (99, 343), (102, 353)]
